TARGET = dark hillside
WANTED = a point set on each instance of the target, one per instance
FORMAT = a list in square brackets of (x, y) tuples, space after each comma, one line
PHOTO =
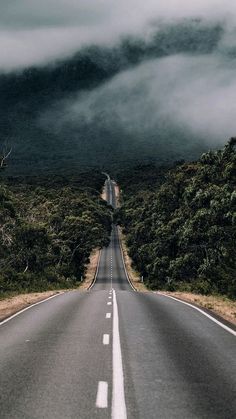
[(48, 137)]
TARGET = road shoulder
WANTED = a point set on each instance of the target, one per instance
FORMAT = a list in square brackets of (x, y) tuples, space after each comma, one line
[(132, 273), (11, 305), (91, 270), (222, 307)]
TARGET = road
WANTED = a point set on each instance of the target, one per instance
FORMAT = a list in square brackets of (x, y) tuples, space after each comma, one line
[(113, 352)]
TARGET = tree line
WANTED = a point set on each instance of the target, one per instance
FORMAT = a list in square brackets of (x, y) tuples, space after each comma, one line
[(48, 228), (181, 223)]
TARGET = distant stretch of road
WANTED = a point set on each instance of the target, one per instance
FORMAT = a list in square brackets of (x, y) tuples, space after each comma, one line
[(115, 353)]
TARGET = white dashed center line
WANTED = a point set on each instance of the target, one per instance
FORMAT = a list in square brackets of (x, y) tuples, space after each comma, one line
[(106, 339), (108, 315), (102, 395)]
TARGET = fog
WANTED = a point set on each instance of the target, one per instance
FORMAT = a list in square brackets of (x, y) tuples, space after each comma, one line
[(130, 79), (176, 94), (36, 33)]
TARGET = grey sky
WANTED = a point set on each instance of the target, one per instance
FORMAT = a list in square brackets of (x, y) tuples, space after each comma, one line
[(196, 93), (36, 32)]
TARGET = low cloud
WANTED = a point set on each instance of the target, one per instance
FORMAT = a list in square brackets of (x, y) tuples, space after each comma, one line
[(159, 81), (34, 33), (182, 93)]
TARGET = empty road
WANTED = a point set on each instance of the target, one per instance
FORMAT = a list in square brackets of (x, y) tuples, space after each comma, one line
[(115, 353)]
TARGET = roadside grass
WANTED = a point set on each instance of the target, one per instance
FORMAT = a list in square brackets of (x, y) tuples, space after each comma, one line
[(10, 305), (12, 302), (220, 305), (91, 269), (103, 194), (133, 274)]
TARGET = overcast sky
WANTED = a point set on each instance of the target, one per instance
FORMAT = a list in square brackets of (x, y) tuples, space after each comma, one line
[(185, 91), (34, 32)]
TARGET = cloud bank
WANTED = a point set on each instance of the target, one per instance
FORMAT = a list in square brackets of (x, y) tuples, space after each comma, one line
[(193, 93), (130, 79), (36, 33)]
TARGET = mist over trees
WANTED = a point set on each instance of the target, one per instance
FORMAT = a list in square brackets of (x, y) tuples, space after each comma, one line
[(109, 100)]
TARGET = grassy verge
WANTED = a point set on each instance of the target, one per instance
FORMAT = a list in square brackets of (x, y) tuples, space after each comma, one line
[(133, 274), (12, 304), (219, 305), (91, 269)]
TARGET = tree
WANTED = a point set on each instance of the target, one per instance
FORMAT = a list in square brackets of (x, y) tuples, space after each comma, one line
[(5, 154)]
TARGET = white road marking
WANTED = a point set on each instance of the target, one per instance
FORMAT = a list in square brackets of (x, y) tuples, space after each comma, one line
[(108, 315), (110, 297), (233, 332), (109, 304), (106, 339), (102, 395), (28, 308), (118, 392)]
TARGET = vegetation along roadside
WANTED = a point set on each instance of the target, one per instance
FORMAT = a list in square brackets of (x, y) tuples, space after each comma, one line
[(180, 224), (49, 227)]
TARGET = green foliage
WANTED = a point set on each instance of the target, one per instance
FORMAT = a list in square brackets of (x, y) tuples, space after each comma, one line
[(183, 233), (47, 232)]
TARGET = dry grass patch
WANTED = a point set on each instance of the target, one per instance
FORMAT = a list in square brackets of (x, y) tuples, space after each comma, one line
[(117, 194), (133, 275), (11, 305), (91, 269), (222, 306), (103, 194)]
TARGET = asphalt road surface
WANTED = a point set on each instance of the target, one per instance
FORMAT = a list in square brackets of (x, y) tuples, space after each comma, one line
[(115, 353)]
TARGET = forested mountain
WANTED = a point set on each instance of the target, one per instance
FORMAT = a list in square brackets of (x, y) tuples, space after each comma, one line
[(48, 230), (181, 225), (77, 111)]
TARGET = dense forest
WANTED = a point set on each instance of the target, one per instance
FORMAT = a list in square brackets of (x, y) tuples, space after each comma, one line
[(181, 223), (48, 228)]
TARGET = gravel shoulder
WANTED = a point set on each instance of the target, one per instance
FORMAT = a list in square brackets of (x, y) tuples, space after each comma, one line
[(220, 305), (11, 305), (91, 269), (133, 274)]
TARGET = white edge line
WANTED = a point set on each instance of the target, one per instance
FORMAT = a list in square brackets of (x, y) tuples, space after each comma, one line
[(118, 392), (96, 274), (28, 308), (101, 400), (122, 256), (228, 329)]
